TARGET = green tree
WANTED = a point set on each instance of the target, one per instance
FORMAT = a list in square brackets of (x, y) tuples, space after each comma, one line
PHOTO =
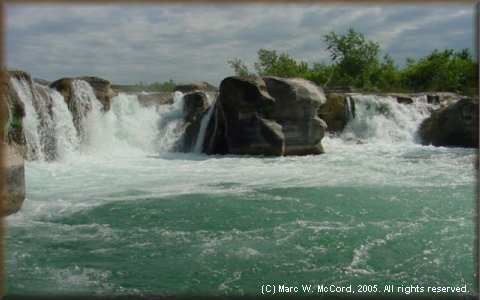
[(355, 58), (269, 63), (388, 77), (239, 67), (445, 71)]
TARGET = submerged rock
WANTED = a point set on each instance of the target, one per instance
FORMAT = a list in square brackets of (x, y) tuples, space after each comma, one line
[(455, 125)]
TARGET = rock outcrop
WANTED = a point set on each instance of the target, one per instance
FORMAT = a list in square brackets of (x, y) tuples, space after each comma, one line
[(244, 111), (335, 112), (188, 87), (101, 88), (454, 126), (267, 116), (15, 192), (15, 134), (297, 102), (196, 106)]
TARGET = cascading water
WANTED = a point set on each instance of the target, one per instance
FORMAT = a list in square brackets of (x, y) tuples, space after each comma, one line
[(32, 123), (203, 126), (170, 124), (83, 128), (65, 131), (383, 119)]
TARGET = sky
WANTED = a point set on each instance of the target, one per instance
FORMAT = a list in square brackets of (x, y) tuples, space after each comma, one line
[(156, 43)]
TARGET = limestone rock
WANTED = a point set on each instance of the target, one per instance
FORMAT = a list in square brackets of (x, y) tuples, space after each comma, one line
[(334, 112), (455, 125), (245, 106), (195, 107), (268, 116), (15, 181), (297, 102)]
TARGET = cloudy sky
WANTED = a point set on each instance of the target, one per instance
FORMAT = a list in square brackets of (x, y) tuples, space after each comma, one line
[(128, 44)]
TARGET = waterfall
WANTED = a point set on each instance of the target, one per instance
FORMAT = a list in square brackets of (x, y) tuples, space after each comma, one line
[(170, 124), (381, 118), (66, 134), (204, 124), (349, 108), (32, 125)]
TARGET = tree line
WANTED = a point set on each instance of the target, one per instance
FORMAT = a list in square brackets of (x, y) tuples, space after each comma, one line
[(356, 62)]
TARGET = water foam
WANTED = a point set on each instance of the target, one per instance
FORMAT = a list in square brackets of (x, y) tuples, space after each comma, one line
[(380, 119)]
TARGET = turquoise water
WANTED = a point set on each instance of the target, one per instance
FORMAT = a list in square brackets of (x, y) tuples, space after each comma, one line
[(193, 224), (118, 217)]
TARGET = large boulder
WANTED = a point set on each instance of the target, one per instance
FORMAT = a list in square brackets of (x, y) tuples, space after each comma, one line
[(297, 102), (245, 108), (267, 116), (15, 192), (188, 87), (455, 125)]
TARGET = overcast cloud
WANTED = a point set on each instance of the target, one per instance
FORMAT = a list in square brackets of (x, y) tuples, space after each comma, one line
[(128, 44)]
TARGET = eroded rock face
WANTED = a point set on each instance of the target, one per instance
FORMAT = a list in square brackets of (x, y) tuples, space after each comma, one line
[(268, 116), (195, 107), (245, 109), (297, 102), (15, 181), (454, 126), (334, 113), (15, 112)]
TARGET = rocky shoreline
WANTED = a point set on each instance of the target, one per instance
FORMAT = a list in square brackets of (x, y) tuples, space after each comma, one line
[(249, 116)]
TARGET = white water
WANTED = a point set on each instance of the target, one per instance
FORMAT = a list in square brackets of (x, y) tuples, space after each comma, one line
[(31, 122), (170, 125), (67, 139), (383, 120), (126, 129), (204, 124)]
